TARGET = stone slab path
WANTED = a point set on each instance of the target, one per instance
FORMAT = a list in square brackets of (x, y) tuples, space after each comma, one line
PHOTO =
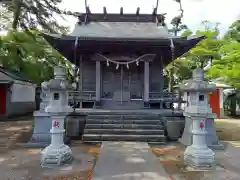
[(128, 161)]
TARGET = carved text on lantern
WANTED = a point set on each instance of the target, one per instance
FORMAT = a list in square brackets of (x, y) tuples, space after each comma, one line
[(56, 124)]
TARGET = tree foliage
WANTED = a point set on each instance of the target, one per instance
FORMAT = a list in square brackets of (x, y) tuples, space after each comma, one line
[(22, 49), (30, 55), (208, 48), (220, 54), (228, 65), (30, 14)]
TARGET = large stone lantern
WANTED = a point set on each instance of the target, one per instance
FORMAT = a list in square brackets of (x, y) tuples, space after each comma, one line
[(42, 121), (57, 153), (198, 155)]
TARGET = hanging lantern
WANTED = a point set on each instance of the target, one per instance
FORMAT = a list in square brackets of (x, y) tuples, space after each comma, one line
[(117, 66), (127, 66), (107, 63)]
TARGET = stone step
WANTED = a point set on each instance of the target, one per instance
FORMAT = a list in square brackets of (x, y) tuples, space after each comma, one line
[(150, 143), (114, 116), (118, 137), (114, 121), (125, 131), (123, 126)]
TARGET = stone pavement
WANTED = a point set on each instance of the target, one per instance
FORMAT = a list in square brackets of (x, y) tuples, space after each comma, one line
[(128, 161)]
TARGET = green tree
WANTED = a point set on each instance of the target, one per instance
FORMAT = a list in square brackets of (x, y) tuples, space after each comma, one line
[(32, 56), (29, 14), (207, 49), (228, 65), (177, 26), (200, 56), (22, 49)]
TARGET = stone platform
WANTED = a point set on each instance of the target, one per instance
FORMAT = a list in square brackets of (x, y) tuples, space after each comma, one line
[(159, 112), (128, 161), (141, 125)]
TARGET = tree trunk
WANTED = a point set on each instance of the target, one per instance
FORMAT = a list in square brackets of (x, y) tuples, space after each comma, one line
[(16, 13), (202, 65), (233, 106), (170, 81)]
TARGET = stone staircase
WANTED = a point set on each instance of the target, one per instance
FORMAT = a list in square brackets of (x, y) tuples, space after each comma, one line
[(144, 128)]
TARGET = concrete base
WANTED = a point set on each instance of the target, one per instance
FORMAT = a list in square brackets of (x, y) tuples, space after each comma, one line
[(186, 138), (41, 136), (212, 139), (56, 156), (199, 158)]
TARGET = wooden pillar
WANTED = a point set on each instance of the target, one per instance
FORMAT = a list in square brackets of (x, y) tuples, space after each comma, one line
[(98, 81), (80, 80), (146, 83), (161, 82), (161, 76)]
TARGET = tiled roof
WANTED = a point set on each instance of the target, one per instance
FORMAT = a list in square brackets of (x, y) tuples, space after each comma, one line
[(121, 30), (15, 75)]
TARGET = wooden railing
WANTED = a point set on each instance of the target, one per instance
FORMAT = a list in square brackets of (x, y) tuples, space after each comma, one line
[(166, 99), (153, 96), (164, 96), (77, 96)]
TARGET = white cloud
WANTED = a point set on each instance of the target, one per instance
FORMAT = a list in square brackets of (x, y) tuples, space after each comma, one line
[(195, 11)]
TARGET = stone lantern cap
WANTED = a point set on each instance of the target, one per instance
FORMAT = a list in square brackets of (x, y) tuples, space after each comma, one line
[(59, 82), (197, 83)]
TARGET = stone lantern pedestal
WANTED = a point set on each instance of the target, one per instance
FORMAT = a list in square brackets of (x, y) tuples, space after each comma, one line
[(57, 153), (212, 139), (198, 155)]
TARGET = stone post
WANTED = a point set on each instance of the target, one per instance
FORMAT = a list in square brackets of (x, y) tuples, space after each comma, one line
[(198, 155), (57, 153)]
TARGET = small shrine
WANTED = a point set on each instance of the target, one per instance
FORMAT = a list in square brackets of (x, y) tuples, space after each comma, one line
[(120, 59), (198, 155)]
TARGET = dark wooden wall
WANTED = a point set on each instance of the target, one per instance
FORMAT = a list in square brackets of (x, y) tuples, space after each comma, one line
[(111, 77)]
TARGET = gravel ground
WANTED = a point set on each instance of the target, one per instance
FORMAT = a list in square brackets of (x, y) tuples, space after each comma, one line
[(227, 161), (17, 163)]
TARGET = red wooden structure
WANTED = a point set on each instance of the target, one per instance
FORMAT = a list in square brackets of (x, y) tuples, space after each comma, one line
[(214, 101)]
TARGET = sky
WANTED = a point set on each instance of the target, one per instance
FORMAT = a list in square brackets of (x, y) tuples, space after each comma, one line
[(195, 11)]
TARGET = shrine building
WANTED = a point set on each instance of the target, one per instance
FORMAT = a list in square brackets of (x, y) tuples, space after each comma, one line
[(121, 58)]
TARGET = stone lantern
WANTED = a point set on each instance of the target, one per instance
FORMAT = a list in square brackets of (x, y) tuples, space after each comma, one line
[(57, 153), (44, 96), (42, 121), (198, 155)]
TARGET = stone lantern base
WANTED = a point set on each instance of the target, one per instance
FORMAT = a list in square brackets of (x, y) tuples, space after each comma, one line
[(56, 155), (199, 158)]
